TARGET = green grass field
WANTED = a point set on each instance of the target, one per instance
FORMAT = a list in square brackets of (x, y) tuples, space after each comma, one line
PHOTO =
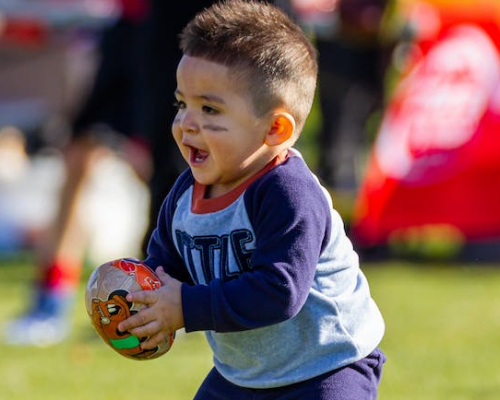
[(442, 342)]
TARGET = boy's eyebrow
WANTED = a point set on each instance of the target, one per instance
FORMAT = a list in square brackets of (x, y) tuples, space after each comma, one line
[(207, 97)]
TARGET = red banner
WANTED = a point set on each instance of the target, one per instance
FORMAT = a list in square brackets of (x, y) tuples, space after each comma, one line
[(435, 164)]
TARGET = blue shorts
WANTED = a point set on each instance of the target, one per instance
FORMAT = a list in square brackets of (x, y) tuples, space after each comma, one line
[(357, 381)]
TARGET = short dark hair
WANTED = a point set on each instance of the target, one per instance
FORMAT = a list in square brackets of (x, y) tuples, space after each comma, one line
[(269, 53)]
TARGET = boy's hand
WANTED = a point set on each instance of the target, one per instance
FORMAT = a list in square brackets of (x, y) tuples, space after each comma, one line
[(162, 315)]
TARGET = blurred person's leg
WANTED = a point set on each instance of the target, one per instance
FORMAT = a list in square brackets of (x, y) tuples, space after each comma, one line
[(350, 90), (63, 249), (60, 257)]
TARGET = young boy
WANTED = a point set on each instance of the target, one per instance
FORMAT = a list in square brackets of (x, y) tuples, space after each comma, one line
[(248, 246)]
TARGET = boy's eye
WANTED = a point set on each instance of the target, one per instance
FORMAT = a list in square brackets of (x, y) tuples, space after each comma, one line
[(209, 110), (179, 105)]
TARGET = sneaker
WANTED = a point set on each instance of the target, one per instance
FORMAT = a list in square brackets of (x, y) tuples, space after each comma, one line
[(33, 330)]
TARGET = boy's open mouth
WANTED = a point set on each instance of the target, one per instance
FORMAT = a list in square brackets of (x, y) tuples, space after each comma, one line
[(198, 156)]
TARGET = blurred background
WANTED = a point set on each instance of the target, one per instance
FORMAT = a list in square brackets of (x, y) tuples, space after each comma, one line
[(405, 133), (48, 58)]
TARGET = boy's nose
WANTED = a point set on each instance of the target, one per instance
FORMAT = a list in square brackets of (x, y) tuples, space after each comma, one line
[(188, 124)]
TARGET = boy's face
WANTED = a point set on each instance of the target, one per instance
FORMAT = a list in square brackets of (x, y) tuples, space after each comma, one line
[(216, 128)]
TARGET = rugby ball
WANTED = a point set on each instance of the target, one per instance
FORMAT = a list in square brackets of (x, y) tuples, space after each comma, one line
[(107, 306)]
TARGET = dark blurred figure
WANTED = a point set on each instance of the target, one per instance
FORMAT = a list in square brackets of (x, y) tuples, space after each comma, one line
[(355, 40), (351, 87)]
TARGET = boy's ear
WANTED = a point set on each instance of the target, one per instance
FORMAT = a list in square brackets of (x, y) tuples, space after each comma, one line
[(282, 129)]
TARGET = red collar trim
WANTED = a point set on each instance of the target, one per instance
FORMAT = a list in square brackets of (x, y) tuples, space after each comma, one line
[(201, 205)]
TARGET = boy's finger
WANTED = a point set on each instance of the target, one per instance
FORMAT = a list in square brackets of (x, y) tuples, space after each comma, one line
[(160, 272), (142, 296), (154, 340), (131, 322)]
